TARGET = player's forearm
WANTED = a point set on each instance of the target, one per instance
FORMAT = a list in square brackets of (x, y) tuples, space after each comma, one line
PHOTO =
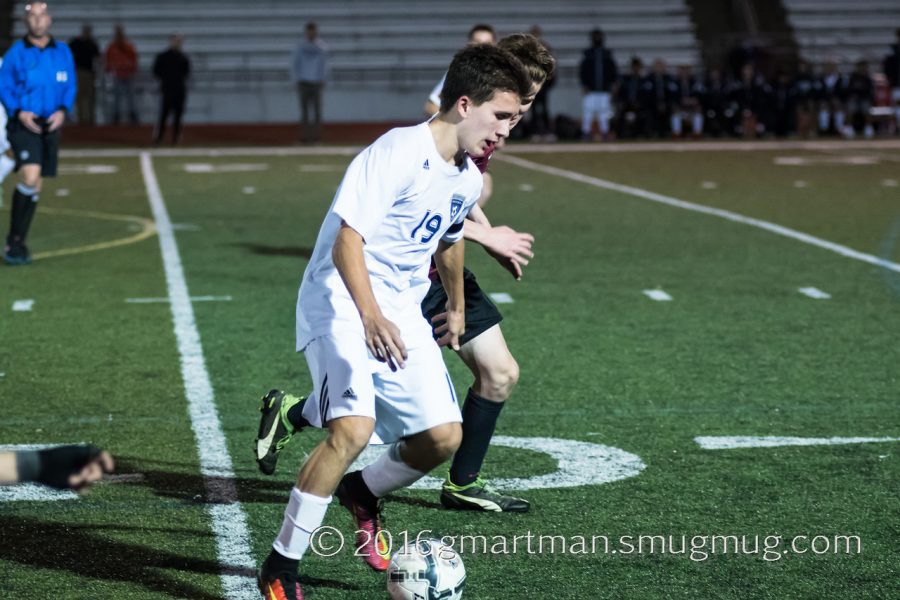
[(449, 260), (349, 261)]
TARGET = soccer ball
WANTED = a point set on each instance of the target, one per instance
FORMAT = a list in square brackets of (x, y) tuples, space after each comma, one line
[(426, 569)]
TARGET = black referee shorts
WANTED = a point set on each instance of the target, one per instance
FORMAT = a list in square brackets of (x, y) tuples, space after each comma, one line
[(31, 148), (481, 312)]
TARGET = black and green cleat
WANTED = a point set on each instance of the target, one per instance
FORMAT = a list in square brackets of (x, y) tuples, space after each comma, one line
[(479, 495), (275, 430)]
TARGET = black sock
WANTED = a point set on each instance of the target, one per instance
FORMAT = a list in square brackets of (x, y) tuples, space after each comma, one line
[(479, 420), (295, 415), (28, 215), (20, 206), (278, 563), (355, 484)]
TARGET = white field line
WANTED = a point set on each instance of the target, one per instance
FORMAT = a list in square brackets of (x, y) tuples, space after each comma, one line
[(814, 293), (193, 299), (658, 295), (715, 212), (229, 523), (729, 442), (835, 145)]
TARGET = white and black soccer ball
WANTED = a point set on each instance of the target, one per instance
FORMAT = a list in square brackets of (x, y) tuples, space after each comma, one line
[(426, 569)]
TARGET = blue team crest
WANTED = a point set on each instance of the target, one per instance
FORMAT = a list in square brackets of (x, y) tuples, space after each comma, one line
[(456, 203)]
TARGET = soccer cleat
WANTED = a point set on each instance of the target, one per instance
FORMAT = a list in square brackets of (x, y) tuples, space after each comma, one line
[(478, 495), (370, 539), (275, 430), (16, 255), (278, 586)]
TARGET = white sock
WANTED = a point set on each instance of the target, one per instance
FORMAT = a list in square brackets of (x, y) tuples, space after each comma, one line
[(303, 515), (389, 473)]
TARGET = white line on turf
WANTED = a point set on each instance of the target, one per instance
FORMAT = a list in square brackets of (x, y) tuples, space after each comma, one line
[(23, 305), (708, 210), (229, 523), (658, 295), (814, 293), (729, 442), (193, 299), (501, 298)]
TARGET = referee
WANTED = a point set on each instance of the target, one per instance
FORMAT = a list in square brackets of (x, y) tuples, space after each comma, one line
[(37, 87)]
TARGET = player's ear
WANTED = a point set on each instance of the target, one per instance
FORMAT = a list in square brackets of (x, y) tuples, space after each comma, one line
[(464, 106)]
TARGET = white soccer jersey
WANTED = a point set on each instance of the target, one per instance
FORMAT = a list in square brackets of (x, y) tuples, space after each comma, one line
[(402, 198)]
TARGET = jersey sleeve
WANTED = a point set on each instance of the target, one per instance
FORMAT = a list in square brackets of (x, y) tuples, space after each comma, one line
[(373, 182), (8, 84), (70, 87)]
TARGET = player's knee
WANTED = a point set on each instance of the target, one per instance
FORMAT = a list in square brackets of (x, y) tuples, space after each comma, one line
[(349, 438), (31, 179), (499, 379), (444, 440)]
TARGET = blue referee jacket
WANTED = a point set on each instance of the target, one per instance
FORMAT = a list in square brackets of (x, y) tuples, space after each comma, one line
[(37, 80)]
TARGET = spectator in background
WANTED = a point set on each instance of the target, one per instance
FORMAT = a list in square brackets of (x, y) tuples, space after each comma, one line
[(598, 75), (752, 97), (660, 94), (629, 117), (807, 93), (172, 68), (540, 108), (831, 100), (783, 104), (122, 64), (892, 72), (687, 103), (85, 52), (714, 100), (310, 69), (860, 93)]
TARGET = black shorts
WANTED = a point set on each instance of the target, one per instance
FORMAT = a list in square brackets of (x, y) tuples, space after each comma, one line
[(30, 148), (481, 312)]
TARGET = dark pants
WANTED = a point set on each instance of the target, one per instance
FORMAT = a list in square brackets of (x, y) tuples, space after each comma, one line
[(85, 100), (172, 103), (310, 101)]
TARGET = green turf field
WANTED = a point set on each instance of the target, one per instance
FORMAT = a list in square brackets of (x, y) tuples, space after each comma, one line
[(618, 384)]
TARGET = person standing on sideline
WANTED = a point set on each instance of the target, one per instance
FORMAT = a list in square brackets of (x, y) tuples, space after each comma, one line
[(310, 70), (598, 75), (37, 88), (540, 108), (85, 52), (122, 65), (172, 68)]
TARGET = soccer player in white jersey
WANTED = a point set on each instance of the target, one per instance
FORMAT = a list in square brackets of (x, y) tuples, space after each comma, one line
[(482, 347), (377, 373)]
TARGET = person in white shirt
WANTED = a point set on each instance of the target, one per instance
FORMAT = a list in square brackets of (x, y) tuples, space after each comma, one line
[(377, 372), (310, 70)]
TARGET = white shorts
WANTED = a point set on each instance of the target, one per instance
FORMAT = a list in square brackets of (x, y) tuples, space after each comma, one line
[(348, 381)]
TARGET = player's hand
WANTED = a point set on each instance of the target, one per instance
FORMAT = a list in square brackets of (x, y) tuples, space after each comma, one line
[(73, 467), (510, 248), (384, 341), (449, 327), (28, 120), (56, 120)]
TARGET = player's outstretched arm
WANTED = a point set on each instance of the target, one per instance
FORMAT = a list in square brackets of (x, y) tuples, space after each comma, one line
[(449, 260), (72, 467), (382, 336), (511, 248)]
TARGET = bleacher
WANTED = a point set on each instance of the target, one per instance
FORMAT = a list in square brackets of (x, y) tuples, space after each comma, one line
[(844, 31), (385, 56)]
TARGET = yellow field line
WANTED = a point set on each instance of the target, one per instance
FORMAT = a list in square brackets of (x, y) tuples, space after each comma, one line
[(148, 230)]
